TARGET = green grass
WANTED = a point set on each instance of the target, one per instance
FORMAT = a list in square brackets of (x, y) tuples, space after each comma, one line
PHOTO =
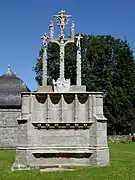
[(122, 167)]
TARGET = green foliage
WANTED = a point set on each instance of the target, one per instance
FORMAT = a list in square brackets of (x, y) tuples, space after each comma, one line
[(120, 99), (108, 66), (122, 167)]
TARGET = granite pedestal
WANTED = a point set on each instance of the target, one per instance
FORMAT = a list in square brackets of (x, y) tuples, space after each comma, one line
[(62, 129)]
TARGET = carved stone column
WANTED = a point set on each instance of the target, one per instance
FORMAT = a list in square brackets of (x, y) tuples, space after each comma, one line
[(78, 44), (44, 80), (44, 47), (79, 67), (62, 59)]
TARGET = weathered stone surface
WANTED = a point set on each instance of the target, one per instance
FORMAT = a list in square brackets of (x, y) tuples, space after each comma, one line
[(45, 89), (61, 85), (74, 88), (9, 127), (55, 169), (53, 131), (100, 157), (119, 138)]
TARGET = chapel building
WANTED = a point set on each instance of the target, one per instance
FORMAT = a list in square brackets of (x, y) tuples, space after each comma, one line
[(11, 87)]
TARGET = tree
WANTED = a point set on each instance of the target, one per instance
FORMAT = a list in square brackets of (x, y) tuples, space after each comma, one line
[(120, 99), (108, 66)]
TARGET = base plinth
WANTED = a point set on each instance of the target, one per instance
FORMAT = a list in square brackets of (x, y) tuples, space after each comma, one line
[(41, 160), (78, 88), (61, 129)]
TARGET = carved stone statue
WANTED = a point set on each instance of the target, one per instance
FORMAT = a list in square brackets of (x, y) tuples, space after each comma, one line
[(51, 28), (61, 85), (78, 43), (72, 30)]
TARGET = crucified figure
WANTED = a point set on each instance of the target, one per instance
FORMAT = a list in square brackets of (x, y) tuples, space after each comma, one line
[(78, 43), (62, 21)]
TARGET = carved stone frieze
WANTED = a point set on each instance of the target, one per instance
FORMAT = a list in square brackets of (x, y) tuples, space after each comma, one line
[(62, 125)]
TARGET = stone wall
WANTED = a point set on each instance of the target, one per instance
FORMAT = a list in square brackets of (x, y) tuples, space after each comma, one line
[(9, 127), (119, 138)]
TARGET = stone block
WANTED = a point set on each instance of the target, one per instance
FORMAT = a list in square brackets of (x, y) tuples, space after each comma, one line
[(74, 88), (100, 157), (45, 89)]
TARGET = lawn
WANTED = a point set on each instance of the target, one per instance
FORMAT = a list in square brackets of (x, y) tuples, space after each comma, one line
[(122, 167)]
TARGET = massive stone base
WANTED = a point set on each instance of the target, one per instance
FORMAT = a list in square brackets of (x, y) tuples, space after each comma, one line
[(61, 129), (37, 159)]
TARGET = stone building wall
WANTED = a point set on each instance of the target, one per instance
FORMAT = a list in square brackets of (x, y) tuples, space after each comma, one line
[(9, 127)]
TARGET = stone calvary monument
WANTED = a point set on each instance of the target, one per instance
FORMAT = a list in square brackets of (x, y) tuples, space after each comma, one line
[(63, 124)]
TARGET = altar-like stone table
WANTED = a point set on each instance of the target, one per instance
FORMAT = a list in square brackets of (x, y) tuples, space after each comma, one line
[(62, 129)]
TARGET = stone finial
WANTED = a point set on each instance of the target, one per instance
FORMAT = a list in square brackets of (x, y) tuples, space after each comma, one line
[(9, 72)]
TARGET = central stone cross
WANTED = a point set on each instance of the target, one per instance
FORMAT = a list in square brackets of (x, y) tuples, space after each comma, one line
[(62, 84), (62, 20)]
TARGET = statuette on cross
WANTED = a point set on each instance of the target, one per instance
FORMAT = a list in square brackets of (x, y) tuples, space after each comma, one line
[(78, 43), (72, 30), (51, 28)]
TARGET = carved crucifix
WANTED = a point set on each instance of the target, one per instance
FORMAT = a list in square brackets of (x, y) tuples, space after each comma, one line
[(62, 21)]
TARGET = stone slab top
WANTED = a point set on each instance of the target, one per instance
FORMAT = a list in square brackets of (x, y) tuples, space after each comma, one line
[(38, 93)]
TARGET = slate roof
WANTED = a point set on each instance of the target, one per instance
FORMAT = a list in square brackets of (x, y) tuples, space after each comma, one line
[(10, 88)]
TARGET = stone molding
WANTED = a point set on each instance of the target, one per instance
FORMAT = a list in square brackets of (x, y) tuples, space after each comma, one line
[(62, 125)]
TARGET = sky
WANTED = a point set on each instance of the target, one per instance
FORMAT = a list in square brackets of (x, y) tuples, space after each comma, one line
[(22, 22)]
